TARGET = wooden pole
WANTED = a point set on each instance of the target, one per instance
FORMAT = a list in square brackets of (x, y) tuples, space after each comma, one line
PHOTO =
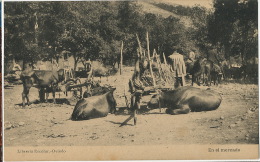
[(121, 58), (149, 59), (158, 64), (52, 64), (164, 59), (166, 66), (139, 44), (154, 53)]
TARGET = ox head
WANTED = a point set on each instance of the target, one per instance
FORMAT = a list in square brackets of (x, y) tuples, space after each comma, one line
[(96, 91), (111, 100), (154, 101)]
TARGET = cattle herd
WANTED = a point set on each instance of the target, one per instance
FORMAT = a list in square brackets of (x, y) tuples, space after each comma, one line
[(206, 71), (98, 101)]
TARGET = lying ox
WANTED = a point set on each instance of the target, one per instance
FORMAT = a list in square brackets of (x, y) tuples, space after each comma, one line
[(95, 106), (185, 99)]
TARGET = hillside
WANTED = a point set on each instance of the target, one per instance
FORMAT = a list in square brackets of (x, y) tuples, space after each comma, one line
[(149, 7), (153, 7)]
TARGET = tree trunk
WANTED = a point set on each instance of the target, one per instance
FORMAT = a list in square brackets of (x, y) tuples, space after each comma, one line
[(75, 63), (121, 58)]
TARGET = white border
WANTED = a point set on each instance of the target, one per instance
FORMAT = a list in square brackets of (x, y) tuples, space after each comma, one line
[(2, 56)]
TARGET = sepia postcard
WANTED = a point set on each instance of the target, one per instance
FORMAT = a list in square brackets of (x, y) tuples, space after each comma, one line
[(130, 80)]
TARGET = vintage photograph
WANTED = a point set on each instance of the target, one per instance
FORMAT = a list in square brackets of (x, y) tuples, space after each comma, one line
[(119, 74)]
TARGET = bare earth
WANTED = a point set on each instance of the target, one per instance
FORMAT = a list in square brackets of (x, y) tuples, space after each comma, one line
[(48, 124)]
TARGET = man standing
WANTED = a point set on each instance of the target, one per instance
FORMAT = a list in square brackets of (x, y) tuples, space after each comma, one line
[(192, 56), (190, 62), (17, 69), (179, 68)]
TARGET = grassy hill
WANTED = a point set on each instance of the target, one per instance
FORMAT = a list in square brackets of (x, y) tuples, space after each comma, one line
[(155, 7)]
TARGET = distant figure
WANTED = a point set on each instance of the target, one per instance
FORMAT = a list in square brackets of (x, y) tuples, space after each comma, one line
[(67, 70), (42, 66), (179, 68), (16, 67), (192, 56), (55, 65), (88, 68), (66, 64)]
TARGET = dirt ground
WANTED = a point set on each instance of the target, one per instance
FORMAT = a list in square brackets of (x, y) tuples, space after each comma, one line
[(48, 124)]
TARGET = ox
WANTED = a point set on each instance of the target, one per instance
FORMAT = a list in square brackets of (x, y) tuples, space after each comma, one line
[(95, 106), (216, 74), (197, 70), (207, 66), (208, 70), (44, 80), (95, 90), (249, 71), (185, 99)]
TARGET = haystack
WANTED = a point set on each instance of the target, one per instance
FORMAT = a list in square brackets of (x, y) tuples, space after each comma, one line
[(163, 76)]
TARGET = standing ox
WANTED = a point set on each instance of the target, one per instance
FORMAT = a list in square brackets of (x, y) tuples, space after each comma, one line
[(95, 106), (208, 66), (197, 71), (185, 99), (43, 80), (216, 74)]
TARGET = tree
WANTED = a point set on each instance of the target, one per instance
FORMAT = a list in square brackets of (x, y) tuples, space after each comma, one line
[(236, 20)]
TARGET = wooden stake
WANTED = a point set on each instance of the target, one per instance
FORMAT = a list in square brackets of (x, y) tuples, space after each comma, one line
[(158, 61), (139, 44), (149, 59), (166, 66), (154, 52), (121, 58), (164, 59)]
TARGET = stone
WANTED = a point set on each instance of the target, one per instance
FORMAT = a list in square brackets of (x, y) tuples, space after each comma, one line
[(8, 126), (222, 117), (7, 122), (232, 125), (21, 123), (249, 112)]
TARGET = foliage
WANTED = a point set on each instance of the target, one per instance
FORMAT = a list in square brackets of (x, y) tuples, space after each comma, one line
[(236, 20), (95, 30)]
